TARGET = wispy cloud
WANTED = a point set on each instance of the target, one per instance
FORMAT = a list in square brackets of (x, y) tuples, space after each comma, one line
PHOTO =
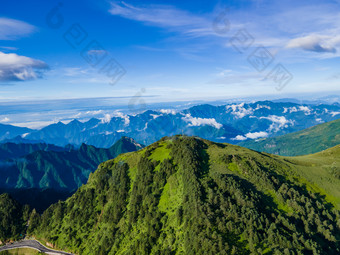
[(12, 29), (228, 77), (96, 52), (165, 16), (74, 71), (9, 48), (14, 67)]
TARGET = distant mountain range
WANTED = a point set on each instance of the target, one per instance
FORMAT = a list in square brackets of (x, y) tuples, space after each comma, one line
[(307, 141), (9, 131), (41, 174), (230, 123), (16, 150), (185, 195), (58, 169)]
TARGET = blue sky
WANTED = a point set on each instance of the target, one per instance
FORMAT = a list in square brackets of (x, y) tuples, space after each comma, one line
[(167, 50)]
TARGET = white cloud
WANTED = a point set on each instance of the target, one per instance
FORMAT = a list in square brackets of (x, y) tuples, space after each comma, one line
[(305, 109), (107, 118), (168, 111), (5, 119), (123, 116), (201, 122), (239, 138), (289, 109), (77, 115), (155, 116), (334, 113), (239, 110), (20, 68), (12, 29), (279, 122), (259, 106), (254, 135), (24, 135), (94, 112), (74, 71), (313, 42)]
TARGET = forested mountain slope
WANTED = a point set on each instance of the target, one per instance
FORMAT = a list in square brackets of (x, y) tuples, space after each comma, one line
[(186, 195)]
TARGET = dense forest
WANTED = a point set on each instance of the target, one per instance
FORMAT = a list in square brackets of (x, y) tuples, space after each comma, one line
[(186, 195), (13, 218)]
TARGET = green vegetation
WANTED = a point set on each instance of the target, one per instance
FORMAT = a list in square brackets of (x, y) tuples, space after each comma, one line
[(185, 195), (13, 218), (21, 251), (311, 140)]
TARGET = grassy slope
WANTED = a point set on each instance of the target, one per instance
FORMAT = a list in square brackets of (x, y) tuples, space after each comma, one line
[(304, 142), (320, 171), (22, 251), (314, 178)]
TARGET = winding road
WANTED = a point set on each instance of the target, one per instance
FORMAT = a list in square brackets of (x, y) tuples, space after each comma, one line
[(32, 244)]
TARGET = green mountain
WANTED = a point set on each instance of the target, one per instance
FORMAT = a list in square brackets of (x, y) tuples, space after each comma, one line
[(307, 141), (59, 170), (186, 195)]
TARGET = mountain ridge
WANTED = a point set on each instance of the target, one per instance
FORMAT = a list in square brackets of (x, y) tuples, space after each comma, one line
[(230, 123), (184, 195)]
